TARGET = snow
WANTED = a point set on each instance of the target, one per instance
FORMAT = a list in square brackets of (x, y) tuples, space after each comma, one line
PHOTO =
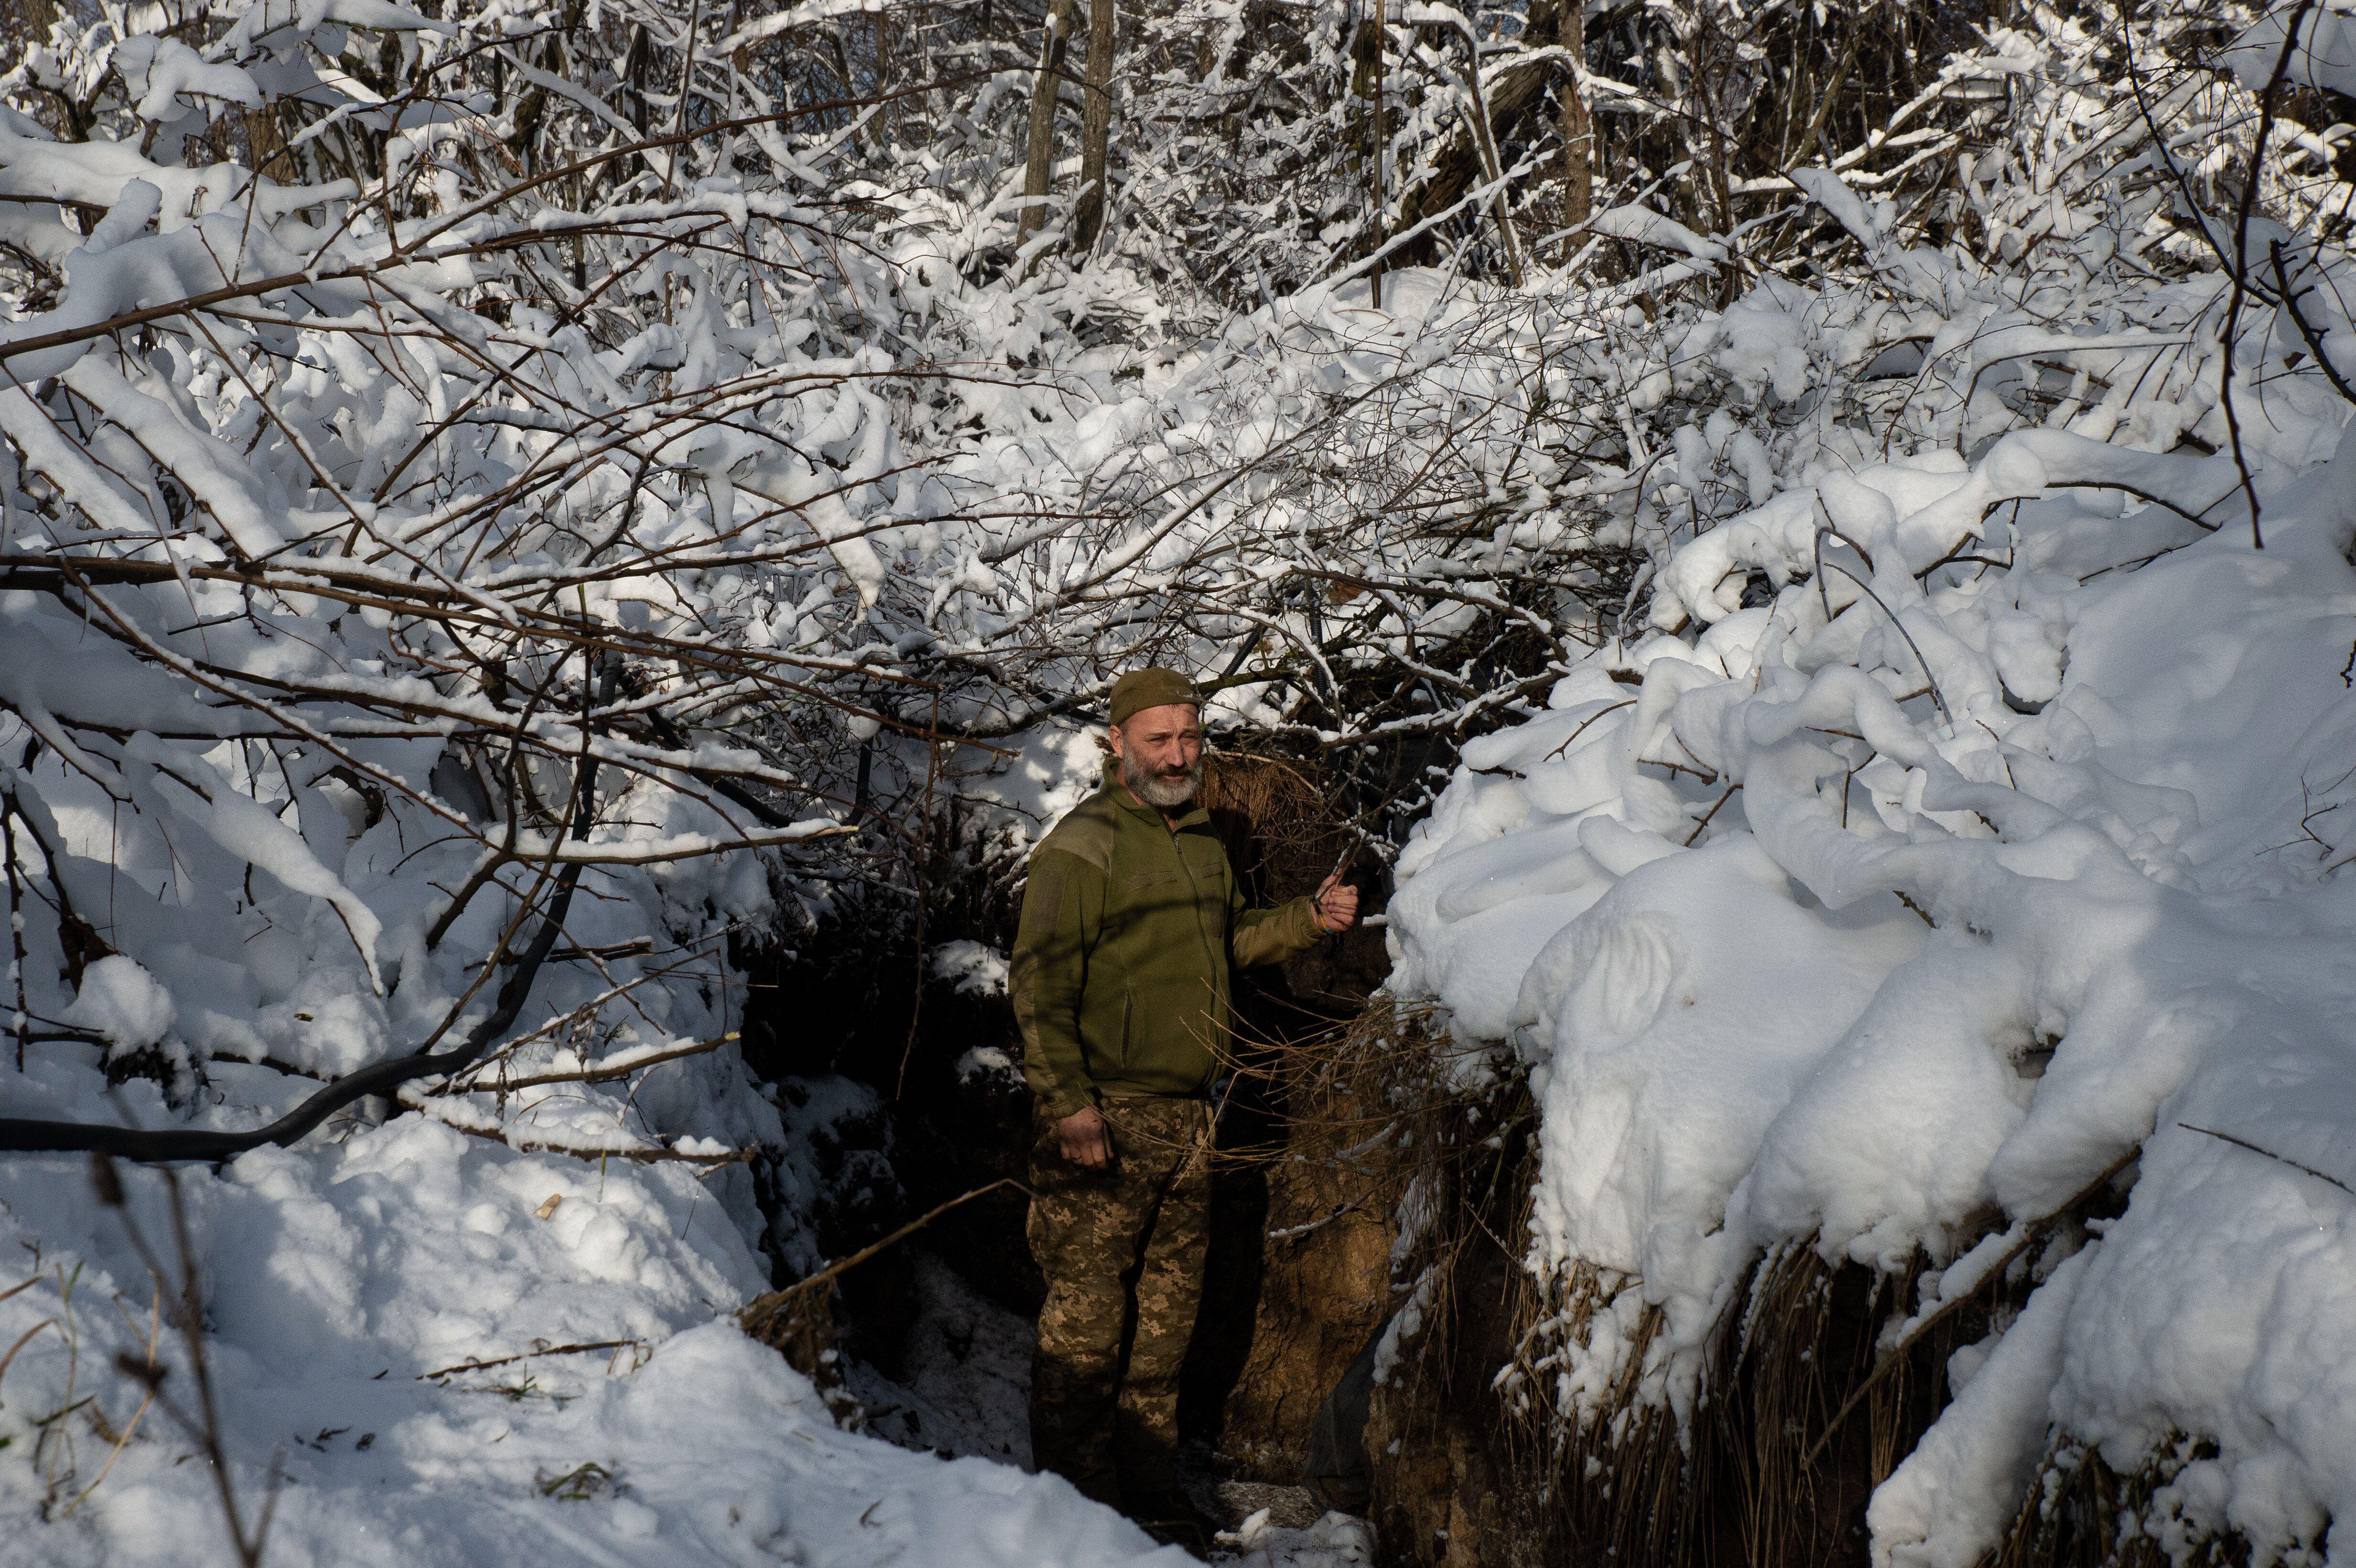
[(1646, 226), (1828, 190), (1913, 795), (1964, 1480), (1969, 883), (963, 1388), (974, 968), (2325, 56), (123, 1002), (1336, 1541), (964, 1383), (170, 77), (353, 1284), (1634, 1004)]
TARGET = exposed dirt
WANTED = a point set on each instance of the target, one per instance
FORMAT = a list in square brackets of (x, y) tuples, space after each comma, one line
[(1323, 1293), (1298, 1275), (1452, 1489), (1800, 1417)]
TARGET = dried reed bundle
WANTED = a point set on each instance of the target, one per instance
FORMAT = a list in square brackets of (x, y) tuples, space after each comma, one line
[(2082, 1514), (1808, 1395)]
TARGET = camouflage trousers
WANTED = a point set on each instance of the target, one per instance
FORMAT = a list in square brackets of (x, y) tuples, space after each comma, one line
[(1122, 1249)]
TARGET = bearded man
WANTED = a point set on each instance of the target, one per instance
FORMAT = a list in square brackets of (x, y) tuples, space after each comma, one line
[(1132, 922)]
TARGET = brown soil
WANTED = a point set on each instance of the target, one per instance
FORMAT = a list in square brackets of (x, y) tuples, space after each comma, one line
[(1322, 1294), (1285, 1315), (1451, 1491)]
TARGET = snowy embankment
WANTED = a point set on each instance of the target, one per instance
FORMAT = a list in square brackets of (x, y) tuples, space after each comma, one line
[(1889, 906), (394, 1313), (454, 1349)]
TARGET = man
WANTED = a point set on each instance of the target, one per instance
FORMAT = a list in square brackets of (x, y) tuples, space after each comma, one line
[(1132, 924)]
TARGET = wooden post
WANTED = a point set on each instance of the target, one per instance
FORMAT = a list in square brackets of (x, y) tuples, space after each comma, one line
[(1039, 162), (1096, 126)]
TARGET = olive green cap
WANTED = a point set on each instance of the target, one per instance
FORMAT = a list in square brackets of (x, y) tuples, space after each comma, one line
[(1155, 687)]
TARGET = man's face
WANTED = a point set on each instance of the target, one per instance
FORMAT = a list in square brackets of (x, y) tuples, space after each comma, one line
[(1161, 753)]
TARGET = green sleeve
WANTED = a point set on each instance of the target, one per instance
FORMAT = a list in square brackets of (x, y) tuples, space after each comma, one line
[(1051, 956), (1271, 935)]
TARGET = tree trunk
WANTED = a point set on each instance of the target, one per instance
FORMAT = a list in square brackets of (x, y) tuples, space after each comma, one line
[(1368, 48), (1040, 161), (1492, 173), (30, 28), (1578, 128), (1096, 127), (267, 147)]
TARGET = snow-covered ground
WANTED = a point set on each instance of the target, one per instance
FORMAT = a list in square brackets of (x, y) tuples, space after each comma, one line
[(965, 1378), (965, 1374), (351, 1285), (452, 1352), (1966, 820)]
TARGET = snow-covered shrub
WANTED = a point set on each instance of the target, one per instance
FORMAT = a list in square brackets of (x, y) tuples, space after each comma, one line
[(472, 555), (497, 505)]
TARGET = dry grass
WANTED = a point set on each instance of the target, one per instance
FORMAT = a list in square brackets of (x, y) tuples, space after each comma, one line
[(1802, 1404), (1779, 1455), (1275, 806), (2082, 1513)]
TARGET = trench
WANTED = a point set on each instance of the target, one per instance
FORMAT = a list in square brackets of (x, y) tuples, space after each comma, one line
[(933, 1335), (905, 1105)]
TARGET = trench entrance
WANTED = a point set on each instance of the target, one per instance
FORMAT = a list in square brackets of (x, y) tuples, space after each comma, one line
[(904, 1103)]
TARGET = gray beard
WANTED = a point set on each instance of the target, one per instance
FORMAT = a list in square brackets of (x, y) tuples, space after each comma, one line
[(1160, 793)]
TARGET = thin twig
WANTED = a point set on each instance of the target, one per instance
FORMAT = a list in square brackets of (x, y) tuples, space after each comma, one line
[(763, 1307), (2266, 103), (2035, 1232), (2295, 1164), (529, 1355)]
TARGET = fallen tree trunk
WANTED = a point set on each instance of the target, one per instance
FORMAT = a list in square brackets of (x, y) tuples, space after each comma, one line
[(1516, 96)]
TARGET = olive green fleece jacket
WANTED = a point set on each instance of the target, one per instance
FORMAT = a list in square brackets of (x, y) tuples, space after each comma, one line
[(1130, 929)]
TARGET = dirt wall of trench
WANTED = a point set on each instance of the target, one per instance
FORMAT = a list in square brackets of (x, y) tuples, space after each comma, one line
[(1298, 1276)]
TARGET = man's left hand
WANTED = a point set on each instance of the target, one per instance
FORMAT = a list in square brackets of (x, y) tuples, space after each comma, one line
[(1337, 903)]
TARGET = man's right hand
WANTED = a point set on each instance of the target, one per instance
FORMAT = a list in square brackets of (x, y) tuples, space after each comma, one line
[(1083, 1139)]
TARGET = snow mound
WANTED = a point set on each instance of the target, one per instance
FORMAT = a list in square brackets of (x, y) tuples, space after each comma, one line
[(123, 1002), (457, 1353)]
